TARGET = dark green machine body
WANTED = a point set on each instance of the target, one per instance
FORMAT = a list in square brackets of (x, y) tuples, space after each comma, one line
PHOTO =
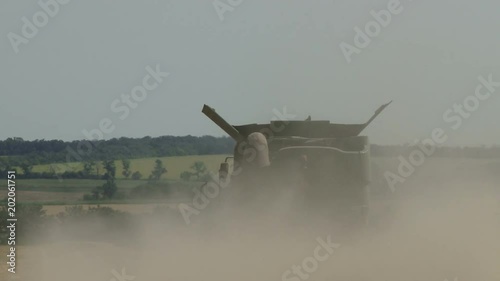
[(328, 163)]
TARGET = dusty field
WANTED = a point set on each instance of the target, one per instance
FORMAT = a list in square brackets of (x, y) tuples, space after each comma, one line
[(442, 223)]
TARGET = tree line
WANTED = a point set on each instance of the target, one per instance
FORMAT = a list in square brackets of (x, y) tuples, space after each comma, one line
[(23, 154), (18, 152)]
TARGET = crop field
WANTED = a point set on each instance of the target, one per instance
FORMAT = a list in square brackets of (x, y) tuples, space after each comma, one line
[(56, 194), (68, 191), (175, 165)]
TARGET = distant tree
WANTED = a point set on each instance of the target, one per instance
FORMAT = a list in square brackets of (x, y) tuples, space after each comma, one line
[(199, 169), (198, 172), (126, 168), (110, 168), (136, 175), (26, 167), (5, 164), (158, 171), (108, 189), (186, 175), (88, 167)]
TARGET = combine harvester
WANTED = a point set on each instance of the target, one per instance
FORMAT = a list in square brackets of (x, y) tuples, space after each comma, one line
[(326, 165)]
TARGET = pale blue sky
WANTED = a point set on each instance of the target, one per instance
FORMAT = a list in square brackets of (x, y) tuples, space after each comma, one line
[(264, 55)]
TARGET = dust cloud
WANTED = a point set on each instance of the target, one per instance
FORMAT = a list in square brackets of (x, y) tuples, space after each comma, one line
[(439, 225)]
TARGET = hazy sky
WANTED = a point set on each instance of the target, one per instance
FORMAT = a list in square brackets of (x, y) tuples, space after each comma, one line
[(263, 55)]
